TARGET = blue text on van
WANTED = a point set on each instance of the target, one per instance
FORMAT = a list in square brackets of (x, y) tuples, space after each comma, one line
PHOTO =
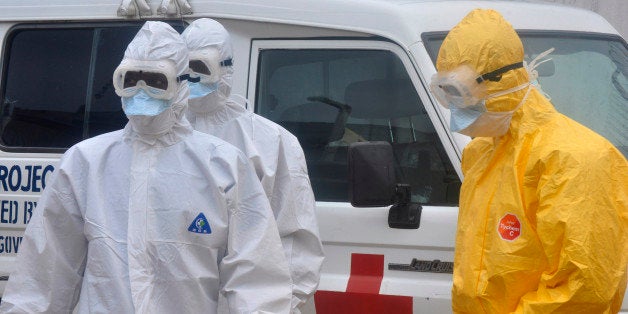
[(27, 178)]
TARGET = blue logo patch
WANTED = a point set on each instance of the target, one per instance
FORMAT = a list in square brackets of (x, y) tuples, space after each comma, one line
[(200, 225)]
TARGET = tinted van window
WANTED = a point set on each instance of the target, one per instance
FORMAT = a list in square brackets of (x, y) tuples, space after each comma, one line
[(58, 87), (330, 98), (44, 96)]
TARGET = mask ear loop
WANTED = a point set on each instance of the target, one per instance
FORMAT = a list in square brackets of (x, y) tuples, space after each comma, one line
[(534, 74)]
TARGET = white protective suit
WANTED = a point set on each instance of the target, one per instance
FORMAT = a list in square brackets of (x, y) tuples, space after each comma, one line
[(115, 230), (276, 155)]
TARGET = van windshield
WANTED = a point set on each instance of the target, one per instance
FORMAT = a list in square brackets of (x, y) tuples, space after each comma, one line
[(587, 78)]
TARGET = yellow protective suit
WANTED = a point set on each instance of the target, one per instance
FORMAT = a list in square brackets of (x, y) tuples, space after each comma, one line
[(543, 216)]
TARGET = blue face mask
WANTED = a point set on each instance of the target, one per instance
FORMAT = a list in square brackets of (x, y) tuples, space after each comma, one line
[(198, 89), (141, 104), (463, 118)]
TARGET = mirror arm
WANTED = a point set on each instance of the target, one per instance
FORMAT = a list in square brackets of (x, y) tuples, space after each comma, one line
[(404, 214)]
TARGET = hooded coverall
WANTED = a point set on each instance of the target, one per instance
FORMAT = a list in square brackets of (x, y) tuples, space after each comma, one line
[(155, 218), (274, 152), (543, 218)]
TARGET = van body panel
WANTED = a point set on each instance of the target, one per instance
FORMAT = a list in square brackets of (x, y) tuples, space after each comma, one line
[(397, 20), (22, 178)]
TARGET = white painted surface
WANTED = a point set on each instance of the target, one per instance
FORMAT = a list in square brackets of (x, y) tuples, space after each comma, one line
[(615, 11)]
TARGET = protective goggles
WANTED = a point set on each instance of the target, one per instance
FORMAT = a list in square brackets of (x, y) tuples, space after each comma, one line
[(205, 65), (462, 87), (157, 78)]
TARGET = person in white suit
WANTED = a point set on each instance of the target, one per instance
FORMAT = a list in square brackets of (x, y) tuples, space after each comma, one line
[(154, 218), (274, 152)]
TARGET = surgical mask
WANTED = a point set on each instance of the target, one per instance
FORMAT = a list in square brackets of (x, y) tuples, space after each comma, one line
[(143, 105), (483, 123), (198, 89), (461, 118), (212, 101)]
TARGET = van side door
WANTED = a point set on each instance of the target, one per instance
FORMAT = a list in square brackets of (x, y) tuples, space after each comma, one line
[(331, 93)]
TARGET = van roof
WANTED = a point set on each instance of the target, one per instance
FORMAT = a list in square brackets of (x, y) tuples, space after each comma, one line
[(402, 21)]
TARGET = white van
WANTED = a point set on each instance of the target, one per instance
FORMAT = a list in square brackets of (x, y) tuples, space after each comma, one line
[(332, 72)]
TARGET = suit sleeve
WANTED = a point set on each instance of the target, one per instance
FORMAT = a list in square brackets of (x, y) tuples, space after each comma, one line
[(294, 207), (254, 272), (582, 224)]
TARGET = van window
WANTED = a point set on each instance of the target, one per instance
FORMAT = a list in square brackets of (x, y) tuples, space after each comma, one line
[(586, 78), (57, 84), (330, 98)]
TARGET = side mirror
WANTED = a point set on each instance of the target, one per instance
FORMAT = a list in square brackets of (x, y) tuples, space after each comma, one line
[(372, 183)]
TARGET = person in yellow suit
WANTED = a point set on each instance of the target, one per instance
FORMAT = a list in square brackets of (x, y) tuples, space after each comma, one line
[(543, 218)]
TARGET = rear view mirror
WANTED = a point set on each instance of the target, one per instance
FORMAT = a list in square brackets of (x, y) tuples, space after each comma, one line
[(371, 174)]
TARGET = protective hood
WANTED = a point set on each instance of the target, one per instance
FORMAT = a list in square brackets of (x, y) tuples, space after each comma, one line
[(209, 34), (485, 41), (157, 41)]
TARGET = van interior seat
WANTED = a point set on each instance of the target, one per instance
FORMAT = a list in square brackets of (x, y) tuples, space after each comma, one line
[(313, 122), (374, 104), (418, 161)]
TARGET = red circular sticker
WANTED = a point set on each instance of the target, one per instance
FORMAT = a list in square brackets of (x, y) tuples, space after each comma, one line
[(509, 227)]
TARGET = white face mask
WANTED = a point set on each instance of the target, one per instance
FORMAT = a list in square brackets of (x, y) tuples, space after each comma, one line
[(490, 123), (212, 101)]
